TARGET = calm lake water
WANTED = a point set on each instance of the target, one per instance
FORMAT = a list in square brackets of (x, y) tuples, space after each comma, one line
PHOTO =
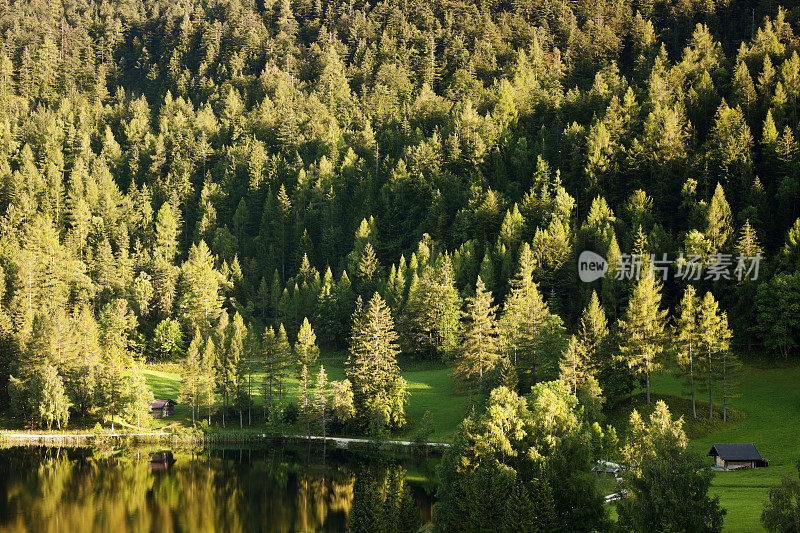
[(259, 489)]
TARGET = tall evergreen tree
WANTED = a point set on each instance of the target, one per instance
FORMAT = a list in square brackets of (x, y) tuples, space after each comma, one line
[(642, 329), (524, 317), (379, 392), (480, 351), (714, 341)]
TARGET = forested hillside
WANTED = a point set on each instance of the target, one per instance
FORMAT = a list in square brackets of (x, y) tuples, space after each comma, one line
[(206, 177)]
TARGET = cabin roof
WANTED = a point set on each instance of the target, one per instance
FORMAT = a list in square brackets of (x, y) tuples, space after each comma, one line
[(160, 404), (736, 452)]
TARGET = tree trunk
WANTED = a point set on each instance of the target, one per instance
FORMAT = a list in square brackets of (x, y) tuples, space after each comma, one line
[(691, 382), (710, 391), (724, 388)]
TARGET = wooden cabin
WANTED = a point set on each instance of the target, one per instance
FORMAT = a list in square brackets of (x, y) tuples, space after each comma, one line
[(736, 456), (161, 408)]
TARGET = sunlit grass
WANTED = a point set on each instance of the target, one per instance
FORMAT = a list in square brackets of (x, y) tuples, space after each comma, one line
[(430, 385), (769, 402)]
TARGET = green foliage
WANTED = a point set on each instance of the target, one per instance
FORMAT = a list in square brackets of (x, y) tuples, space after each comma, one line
[(379, 392), (540, 440), (480, 350), (667, 485), (782, 511)]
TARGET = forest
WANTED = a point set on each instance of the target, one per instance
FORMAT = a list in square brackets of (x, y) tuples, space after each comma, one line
[(239, 186)]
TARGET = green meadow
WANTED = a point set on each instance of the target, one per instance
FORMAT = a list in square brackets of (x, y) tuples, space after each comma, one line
[(430, 388)]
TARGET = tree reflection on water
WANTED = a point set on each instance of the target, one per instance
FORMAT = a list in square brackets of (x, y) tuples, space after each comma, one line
[(80, 489)]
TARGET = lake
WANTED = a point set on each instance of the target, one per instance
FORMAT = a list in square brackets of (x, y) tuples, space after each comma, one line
[(218, 489)]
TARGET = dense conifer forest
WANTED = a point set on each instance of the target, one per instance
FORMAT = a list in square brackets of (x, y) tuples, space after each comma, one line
[(241, 186)]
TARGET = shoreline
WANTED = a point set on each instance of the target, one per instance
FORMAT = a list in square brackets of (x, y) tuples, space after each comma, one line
[(223, 437)]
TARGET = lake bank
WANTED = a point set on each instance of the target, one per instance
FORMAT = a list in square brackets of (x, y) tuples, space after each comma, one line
[(79, 438)]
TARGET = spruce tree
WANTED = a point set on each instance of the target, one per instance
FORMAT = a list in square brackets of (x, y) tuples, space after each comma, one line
[(714, 337), (524, 317), (480, 351), (519, 516), (379, 393)]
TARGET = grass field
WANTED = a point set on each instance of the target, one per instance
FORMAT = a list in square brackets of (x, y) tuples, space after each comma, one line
[(769, 402), (430, 388)]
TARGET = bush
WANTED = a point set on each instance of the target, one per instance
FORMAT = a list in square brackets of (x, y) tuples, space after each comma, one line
[(290, 413)]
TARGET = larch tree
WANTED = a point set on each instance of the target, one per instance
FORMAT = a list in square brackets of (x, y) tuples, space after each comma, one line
[(283, 359), (320, 400), (714, 341), (52, 401), (305, 348), (137, 398), (270, 366), (165, 273), (642, 329), (480, 350), (430, 319), (304, 400), (686, 339), (208, 373), (117, 323), (237, 365)]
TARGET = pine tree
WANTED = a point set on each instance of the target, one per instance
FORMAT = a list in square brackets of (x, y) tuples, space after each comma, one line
[(642, 329), (480, 345)]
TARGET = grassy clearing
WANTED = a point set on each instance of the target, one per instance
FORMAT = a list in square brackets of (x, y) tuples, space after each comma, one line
[(430, 387), (768, 415)]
